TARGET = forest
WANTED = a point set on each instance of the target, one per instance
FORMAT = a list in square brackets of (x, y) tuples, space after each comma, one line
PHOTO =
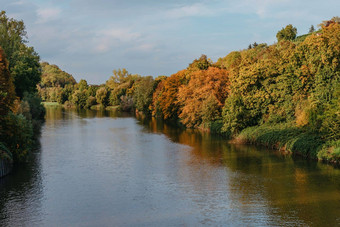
[(284, 96)]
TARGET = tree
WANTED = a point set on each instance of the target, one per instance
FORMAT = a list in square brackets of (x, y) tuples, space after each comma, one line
[(102, 96), (7, 94), (143, 91), (82, 85), (326, 23), (287, 33), (23, 61), (119, 76), (202, 99), (311, 29), (26, 70), (79, 98), (164, 100), (202, 63)]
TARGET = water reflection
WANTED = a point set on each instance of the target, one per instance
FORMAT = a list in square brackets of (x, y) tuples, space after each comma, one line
[(290, 189), (20, 194), (104, 168)]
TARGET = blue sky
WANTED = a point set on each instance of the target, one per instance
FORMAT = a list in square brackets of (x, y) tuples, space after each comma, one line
[(90, 38)]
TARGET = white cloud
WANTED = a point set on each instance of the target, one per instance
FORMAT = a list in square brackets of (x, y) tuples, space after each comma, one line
[(106, 39), (197, 9), (19, 3), (122, 35), (47, 14)]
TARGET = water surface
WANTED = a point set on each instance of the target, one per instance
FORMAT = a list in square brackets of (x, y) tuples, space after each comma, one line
[(96, 168)]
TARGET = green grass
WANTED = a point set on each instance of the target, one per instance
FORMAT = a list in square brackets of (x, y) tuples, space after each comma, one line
[(50, 103), (285, 137), (330, 152), (113, 107)]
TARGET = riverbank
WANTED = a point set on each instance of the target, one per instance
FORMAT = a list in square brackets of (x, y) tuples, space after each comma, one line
[(291, 139), (70, 106)]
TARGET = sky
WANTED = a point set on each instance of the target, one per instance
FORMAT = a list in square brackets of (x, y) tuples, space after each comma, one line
[(90, 38)]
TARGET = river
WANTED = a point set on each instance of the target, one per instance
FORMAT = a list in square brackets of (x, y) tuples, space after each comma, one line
[(98, 168)]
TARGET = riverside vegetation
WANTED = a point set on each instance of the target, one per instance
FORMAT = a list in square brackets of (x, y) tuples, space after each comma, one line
[(21, 111), (284, 96)]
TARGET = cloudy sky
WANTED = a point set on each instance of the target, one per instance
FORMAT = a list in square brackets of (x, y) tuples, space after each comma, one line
[(90, 38)]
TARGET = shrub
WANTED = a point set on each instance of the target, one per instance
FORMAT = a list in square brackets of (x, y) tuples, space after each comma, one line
[(18, 136)]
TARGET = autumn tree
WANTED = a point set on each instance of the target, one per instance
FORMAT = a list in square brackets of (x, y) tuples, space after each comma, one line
[(164, 102), (202, 99)]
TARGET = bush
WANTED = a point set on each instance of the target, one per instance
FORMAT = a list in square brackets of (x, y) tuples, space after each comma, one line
[(330, 152), (18, 136), (5, 154), (91, 101), (37, 109), (283, 136)]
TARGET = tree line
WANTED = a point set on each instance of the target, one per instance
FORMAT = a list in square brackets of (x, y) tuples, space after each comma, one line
[(21, 112), (292, 84)]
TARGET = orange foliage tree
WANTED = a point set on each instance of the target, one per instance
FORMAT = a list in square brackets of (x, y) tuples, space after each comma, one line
[(164, 102), (203, 97)]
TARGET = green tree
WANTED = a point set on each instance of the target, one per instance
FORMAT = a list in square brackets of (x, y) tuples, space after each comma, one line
[(79, 98), (287, 33), (202, 63), (311, 29), (143, 90), (102, 96), (23, 61), (7, 94), (82, 85)]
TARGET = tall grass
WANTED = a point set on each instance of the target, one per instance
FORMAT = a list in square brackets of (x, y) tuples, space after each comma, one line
[(284, 137)]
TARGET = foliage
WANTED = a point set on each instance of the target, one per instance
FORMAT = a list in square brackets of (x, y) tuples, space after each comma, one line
[(23, 61), (311, 29), (5, 154), (164, 101), (126, 103), (283, 136), (37, 110), (18, 136), (102, 96), (330, 152), (53, 76), (142, 96), (203, 63), (79, 98), (121, 84), (287, 33), (91, 101), (7, 94), (202, 98)]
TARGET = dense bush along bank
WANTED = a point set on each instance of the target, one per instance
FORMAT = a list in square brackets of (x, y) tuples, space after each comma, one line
[(21, 112)]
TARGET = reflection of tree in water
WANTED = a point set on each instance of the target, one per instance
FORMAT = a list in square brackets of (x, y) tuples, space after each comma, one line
[(21, 193), (288, 189)]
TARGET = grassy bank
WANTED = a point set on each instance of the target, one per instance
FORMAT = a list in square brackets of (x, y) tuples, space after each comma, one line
[(291, 139), (50, 103)]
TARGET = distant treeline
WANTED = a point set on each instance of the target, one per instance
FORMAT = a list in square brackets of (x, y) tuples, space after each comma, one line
[(21, 112), (285, 95)]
